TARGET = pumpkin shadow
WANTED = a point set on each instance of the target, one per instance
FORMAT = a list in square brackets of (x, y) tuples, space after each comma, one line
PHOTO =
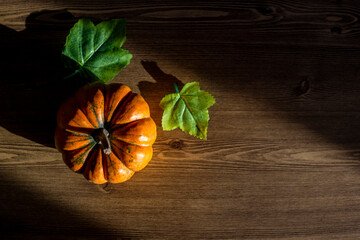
[(154, 92), (32, 85)]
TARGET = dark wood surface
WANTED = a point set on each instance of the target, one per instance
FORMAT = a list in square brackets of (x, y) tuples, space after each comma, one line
[(282, 156)]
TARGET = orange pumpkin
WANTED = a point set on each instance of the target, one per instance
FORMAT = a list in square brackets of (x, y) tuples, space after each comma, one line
[(105, 132)]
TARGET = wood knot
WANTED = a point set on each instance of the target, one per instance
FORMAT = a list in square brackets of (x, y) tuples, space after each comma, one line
[(177, 144), (336, 30), (303, 87), (265, 10)]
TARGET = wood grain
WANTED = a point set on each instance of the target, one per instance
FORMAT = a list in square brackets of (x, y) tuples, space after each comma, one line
[(282, 156)]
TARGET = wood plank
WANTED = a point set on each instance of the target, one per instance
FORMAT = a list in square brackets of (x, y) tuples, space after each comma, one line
[(282, 156)]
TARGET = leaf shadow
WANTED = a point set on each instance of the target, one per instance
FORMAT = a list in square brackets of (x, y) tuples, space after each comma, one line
[(154, 92)]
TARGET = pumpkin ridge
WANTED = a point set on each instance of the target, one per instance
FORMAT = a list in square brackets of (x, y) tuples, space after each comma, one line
[(105, 166), (120, 158), (124, 114), (86, 117), (131, 143), (127, 151), (90, 170), (117, 93), (140, 135), (100, 124), (111, 107), (76, 122), (80, 159), (86, 97), (119, 133), (114, 170), (70, 110), (77, 133), (111, 165), (80, 140), (67, 141), (88, 159), (101, 106), (118, 126), (122, 150), (122, 104), (88, 149), (136, 108)]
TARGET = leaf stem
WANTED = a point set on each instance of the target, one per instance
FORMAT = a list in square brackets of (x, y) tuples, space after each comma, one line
[(176, 88), (72, 74)]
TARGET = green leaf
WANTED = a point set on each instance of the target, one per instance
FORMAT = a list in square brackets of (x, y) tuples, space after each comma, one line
[(95, 51), (187, 110)]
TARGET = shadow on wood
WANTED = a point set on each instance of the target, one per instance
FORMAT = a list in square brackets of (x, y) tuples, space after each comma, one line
[(27, 212), (311, 84), (154, 92), (32, 85)]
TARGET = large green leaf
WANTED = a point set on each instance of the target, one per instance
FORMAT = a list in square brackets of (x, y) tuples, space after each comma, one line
[(187, 110), (95, 51)]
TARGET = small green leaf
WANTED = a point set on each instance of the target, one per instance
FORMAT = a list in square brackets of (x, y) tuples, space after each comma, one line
[(187, 110), (95, 51)]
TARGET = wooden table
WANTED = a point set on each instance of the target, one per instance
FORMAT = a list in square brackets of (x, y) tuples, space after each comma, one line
[(282, 156)]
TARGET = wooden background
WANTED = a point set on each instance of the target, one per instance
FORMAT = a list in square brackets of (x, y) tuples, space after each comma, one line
[(282, 156)]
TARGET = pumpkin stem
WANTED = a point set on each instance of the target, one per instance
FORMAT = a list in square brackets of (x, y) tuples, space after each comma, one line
[(101, 135)]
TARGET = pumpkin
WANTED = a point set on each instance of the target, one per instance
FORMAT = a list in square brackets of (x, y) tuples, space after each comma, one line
[(105, 132)]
